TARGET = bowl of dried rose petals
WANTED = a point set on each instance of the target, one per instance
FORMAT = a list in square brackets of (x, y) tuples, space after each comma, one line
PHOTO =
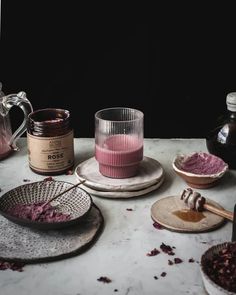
[(24, 205), (218, 269)]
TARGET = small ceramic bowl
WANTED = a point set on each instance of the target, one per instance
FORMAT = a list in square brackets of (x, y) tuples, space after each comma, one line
[(76, 203), (212, 287), (199, 170)]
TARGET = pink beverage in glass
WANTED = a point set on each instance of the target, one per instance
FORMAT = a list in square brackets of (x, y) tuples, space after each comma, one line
[(119, 155)]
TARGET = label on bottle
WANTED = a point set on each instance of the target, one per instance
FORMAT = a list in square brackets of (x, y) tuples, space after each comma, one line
[(51, 154)]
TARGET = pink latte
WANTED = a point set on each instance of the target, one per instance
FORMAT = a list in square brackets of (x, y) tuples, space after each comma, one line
[(119, 156)]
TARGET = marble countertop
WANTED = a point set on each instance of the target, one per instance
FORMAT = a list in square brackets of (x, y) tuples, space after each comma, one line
[(120, 253)]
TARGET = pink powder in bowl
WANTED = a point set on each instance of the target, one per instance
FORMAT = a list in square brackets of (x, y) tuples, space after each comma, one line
[(203, 164)]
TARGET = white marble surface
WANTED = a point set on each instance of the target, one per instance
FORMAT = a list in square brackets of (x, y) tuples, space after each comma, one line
[(120, 252)]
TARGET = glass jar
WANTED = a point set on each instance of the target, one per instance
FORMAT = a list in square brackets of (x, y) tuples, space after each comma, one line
[(50, 141), (221, 140)]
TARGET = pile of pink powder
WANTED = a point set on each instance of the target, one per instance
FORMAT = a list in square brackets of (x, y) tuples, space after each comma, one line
[(38, 212), (203, 164)]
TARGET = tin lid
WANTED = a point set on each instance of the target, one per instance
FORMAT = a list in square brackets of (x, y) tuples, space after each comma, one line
[(231, 101)]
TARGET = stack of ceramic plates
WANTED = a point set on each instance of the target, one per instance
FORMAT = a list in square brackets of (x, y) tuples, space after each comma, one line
[(149, 178)]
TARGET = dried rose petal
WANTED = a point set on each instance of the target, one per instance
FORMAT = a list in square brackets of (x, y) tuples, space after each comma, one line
[(155, 277), (167, 249), (163, 274), (191, 260), (26, 180), (69, 172), (153, 252), (170, 262), (104, 280), (48, 178), (15, 266), (129, 209), (178, 260), (157, 225)]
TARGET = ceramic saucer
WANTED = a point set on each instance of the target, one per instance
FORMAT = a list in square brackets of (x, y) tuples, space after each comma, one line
[(150, 175), (123, 194)]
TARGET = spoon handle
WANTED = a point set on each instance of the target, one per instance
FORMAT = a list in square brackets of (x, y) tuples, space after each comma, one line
[(224, 213)]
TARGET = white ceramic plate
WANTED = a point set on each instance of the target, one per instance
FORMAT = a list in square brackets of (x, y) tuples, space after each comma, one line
[(124, 194), (150, 173)]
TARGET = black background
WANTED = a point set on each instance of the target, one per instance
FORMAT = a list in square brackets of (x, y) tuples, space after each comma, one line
[(175, 63)]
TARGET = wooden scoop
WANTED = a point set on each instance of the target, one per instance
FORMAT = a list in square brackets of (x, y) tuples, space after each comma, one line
[(195, 201)]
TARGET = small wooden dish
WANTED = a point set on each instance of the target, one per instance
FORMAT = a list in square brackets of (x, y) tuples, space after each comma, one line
[(77, 202)]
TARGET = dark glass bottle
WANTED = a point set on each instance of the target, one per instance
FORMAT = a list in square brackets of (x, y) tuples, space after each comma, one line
[(221, 140)]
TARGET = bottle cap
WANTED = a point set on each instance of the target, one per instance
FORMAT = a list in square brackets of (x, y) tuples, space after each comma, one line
[(231, 101)]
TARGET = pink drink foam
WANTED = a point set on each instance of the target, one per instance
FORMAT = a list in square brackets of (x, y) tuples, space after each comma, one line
[(119, 156)]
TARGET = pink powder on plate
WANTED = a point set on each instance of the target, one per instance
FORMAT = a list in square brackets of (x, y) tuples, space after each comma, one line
[(36, 212), (203, 164)]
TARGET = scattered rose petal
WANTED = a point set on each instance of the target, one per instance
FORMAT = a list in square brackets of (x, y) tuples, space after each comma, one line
[(129, 209), (155, 277), (115, 290), (178, 260), (170, 262), (15, 266), (69, 172), (48, 178), (104, 280), (26, 180), (157, 225), (163, 274), (153, 252), (167, 249), (191, 260)]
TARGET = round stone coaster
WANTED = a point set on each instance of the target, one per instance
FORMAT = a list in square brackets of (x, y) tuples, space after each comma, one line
[(123, 194), (172, 213), (150, 173), (19, 243)]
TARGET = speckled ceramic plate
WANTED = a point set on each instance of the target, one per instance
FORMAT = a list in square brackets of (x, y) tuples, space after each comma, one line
[(76, 202), (150, 173), (21, 243)]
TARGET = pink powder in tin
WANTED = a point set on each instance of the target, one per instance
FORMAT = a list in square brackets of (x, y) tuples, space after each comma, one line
[(203, 164)]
